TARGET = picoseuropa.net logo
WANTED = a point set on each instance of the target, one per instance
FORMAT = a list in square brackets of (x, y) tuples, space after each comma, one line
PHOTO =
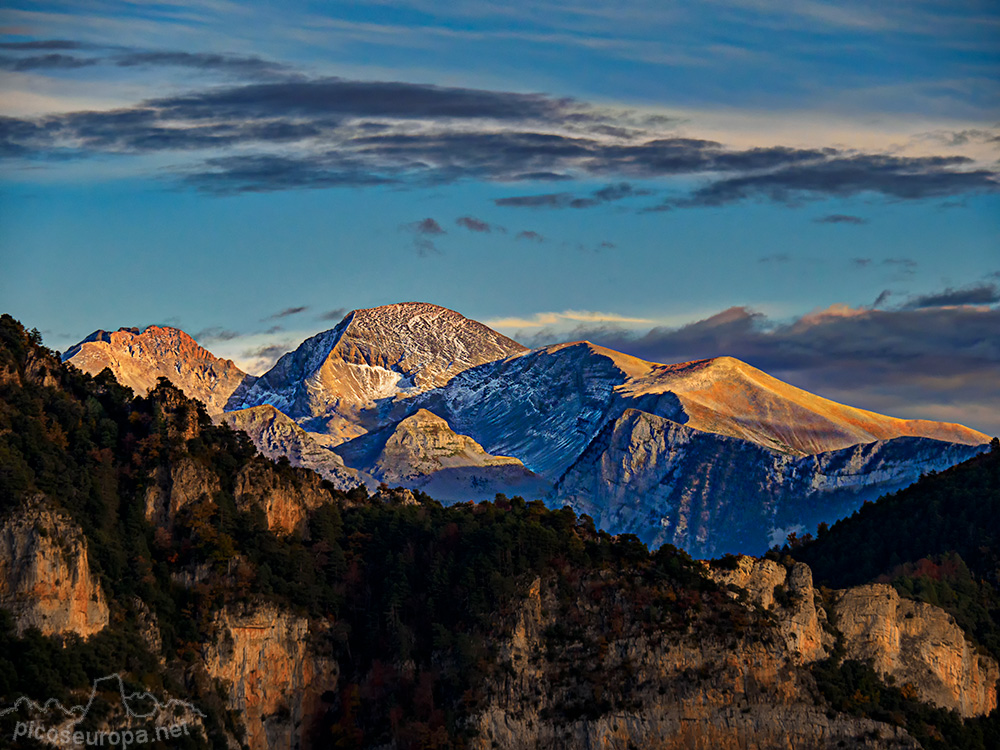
[(146, 720)]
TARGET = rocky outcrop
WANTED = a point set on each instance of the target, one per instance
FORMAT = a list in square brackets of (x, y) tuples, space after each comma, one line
[(709, 493), (276, 435), (693, 689), (790, 595), (911, 642), (183, 483), (916, 643), (285, 497), (45, 578), (138, 358), (273, 672)]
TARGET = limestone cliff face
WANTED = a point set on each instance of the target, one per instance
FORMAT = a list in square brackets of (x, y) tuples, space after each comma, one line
[(45, 578), (691, 690), (273, 673), (185, 482), (286, 500), (800, 621), (913, 642), (917, 643)]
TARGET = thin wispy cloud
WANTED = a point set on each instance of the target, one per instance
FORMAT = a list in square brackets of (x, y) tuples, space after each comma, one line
[(287, 313), (539, 320), (478, 225), (423, 231), (840, 219)]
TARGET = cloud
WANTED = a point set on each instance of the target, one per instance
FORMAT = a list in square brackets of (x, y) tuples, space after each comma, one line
[(422, 231), (287, 312), (530, 235), (262, 358), (335, 314), (934, 362), (52, 61), (882, 298), (46, 44), (478, 225), (904, 267), (903, 178), (246, 66), (215, 333), (426, 226), (840, 219), (310, 133), (249, 67), (607, 194), (538, 320), (977, 294)]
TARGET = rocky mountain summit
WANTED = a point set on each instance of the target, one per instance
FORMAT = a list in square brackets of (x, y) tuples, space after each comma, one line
[(712, 455), (340, 381), (138, 358)]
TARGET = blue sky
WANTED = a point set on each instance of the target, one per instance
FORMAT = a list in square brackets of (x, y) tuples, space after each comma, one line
[(671, 178)]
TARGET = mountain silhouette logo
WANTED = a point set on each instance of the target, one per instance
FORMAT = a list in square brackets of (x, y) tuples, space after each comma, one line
[(55, 723)]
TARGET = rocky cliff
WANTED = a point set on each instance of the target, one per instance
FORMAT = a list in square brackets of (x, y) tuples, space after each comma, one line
[(738, 681), (917, 644), (272, 665), (705, 688), (911, 642), (285, 498), (45, 578)]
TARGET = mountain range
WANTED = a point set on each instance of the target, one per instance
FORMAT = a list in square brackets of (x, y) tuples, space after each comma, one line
[(712, 456)]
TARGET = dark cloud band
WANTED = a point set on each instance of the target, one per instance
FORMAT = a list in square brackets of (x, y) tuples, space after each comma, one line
[(319, 133)]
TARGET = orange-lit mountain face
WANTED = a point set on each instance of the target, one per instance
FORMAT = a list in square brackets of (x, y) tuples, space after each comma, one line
[(729, 397), (649, 443), (138, 358)]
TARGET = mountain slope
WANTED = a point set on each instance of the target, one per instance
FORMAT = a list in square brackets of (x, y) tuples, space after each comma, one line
[(708, 493), (729, 397), (545, 406), (335, 381), (137, 358)]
